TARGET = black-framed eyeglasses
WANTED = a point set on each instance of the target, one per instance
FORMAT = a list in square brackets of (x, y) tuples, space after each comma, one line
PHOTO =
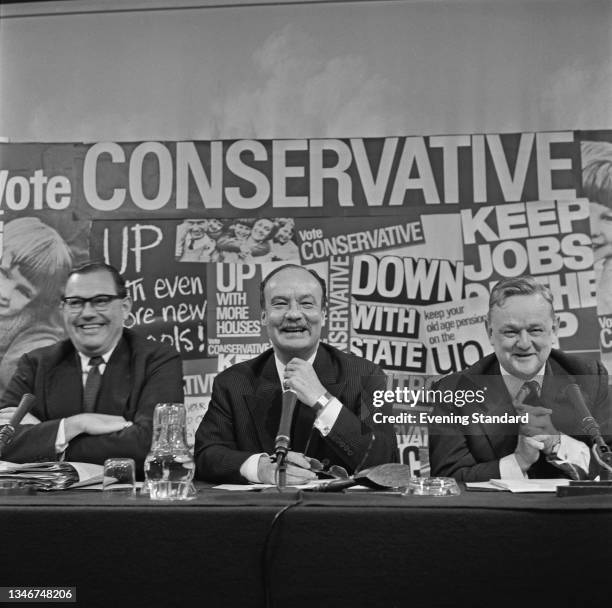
[(100, 302)]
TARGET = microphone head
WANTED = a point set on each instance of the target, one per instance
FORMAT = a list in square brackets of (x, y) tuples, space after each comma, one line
[(27, 400), (25, 405), (572, 389), (588, 424), (289, 398)]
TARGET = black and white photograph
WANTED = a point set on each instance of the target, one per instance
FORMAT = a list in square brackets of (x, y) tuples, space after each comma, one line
[(305, 302)]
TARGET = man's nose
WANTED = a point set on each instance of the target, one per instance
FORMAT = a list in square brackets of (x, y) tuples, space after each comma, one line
[(523, 340), (88, 309), (294, 311)]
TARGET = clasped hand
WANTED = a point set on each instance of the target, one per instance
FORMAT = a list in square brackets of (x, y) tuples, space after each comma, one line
[(298, 469), (301, 377), (537, 434)]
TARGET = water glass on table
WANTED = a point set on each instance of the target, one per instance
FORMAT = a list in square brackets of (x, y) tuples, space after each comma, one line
[(119, 477), (169, 466)]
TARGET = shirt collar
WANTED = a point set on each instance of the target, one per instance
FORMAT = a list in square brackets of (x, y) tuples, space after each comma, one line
[(514, 384), (105, 357), (280, 366)]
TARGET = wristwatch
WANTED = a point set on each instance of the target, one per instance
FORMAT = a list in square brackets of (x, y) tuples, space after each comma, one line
[(555, 448), (322, 401)]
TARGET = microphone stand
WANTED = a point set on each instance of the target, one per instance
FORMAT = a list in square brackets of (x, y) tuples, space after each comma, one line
[(281, 470), (601, 452), (282, 442), (603, 456)]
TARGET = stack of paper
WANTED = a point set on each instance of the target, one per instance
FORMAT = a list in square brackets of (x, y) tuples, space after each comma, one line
[(519, 485), (52, 475)]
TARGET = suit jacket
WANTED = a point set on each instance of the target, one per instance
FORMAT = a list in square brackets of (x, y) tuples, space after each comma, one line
[(139, 374), (245, 407), (472, 452)]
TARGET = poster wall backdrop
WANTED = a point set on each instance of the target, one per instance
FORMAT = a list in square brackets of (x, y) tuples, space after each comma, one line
[(409, 232)]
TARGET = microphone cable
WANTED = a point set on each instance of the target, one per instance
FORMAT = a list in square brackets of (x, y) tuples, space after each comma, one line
[(267, 552), (366, 454)]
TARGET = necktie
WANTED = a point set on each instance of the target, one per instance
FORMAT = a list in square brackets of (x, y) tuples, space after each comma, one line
[(533, 396), (529, 393), (92, 384)]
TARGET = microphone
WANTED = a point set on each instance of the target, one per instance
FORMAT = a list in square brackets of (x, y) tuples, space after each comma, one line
[(600, 448), (283, 439), (8, 430), (588, 423)]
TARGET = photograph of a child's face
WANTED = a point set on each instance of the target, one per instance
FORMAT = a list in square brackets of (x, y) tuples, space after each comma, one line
[(33, 269), (597, 187)]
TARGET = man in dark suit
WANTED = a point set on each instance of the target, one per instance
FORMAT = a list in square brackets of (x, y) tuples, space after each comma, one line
[(522, 421), (95, 392), (333, 419)]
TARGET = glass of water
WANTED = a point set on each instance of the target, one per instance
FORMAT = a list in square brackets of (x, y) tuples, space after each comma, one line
[(169, 466), (119, 477)]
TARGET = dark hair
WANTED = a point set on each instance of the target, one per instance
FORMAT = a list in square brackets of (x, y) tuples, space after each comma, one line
[(273, 228), (245, 221), (316, 275), (91, 267), (519, 286)]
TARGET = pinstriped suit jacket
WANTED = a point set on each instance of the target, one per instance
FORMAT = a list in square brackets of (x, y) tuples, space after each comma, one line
[(245, 407), (472, 452)]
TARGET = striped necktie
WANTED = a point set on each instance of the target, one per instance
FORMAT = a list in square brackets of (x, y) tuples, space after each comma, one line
[(92, 384)]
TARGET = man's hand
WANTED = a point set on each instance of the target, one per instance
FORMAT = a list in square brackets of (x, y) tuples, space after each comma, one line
[(298, 469), (301, 377), (527, 451), (7, 413), (94, 424), (539, 426)]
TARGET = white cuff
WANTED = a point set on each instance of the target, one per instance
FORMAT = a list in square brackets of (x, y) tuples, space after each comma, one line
[(60, 439), (248, 469), (573, 452), (509, 468)]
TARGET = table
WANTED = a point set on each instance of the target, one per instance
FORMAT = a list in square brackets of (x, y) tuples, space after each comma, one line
[(370, 550)]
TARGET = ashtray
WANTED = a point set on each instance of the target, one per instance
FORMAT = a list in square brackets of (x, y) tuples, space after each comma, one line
[(433, 486)]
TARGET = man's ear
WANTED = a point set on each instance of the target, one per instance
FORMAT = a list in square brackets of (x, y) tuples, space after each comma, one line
[(489, 331), (126, 307), (264, 318)]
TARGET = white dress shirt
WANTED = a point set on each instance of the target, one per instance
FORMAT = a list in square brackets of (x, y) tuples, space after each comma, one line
[(60, 439), (570, 450), (324, 422)]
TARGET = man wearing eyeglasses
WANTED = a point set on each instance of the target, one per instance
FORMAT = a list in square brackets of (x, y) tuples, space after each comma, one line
[(95, 392)]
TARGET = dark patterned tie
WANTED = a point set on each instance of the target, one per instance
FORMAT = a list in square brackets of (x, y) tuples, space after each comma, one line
[(533, 394), (92, 384)]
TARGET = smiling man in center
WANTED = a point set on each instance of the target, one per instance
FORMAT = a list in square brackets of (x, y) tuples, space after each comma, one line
[(333, 419)]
